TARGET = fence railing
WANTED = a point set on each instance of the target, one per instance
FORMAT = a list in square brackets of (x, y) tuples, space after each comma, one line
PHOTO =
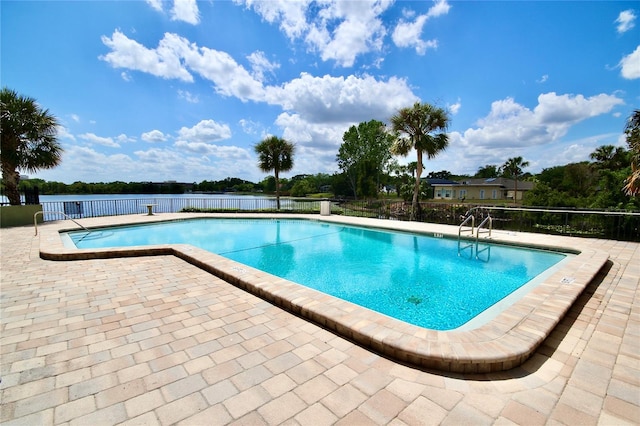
[(610, 224), (617, 225), (97, 208)]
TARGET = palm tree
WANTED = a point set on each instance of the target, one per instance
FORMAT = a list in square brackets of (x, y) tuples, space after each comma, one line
[(420, 127), (29, 140), (513, 168), (632, 130), (275, 154), (609, 157)]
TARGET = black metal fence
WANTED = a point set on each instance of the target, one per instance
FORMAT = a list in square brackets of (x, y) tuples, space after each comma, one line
[(27, 197), (617, 225), (611, 224), (96, 208)]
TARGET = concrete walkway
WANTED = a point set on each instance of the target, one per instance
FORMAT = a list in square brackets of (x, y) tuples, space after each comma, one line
[(155, 340)]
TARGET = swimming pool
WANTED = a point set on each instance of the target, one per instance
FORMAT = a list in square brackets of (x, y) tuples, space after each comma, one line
[(426, 281)]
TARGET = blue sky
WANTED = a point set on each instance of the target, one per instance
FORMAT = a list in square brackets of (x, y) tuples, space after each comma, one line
[(182, 90)]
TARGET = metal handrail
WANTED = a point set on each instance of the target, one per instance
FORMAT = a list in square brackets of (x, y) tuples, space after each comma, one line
[(35, 221), (460, 231), (547, 210), (486, 230), (473, 223)]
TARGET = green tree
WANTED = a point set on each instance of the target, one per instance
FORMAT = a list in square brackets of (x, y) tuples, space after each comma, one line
[(364, 156), (632, 130), (421, 127), (29, 140), (488, 171), (512, 168), (302, 187), (578, 180), (275, 154), (609, 157), (442, 174)]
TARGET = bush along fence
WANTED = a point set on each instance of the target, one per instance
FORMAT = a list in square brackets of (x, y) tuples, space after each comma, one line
[(617, 225)]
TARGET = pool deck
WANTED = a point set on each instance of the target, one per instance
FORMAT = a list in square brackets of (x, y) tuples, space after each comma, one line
[(159, 340)]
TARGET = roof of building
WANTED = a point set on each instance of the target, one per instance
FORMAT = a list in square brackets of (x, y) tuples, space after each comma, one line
[(434, 181), (500, 182)]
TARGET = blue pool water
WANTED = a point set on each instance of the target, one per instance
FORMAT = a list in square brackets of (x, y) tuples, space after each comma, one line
[(418, 279)]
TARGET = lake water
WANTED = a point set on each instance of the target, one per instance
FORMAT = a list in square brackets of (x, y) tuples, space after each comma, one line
[(78, 206)]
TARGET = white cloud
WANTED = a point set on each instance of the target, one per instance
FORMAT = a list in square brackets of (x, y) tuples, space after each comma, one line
[(408, 34), (318, 110), (104, 141), (122, 138), (441, 7), (358, 30), (626, 21), (81, 163), (543, 79), (126, 76), (210, 150), (290, 14), (153, 136), (185, 10), (511, 125), (338, 30), (156, 4), (454, 108), (261, 65), (188, 96), (75, 117), (63, 133), (330, 99), (318, 135), (316, 143), (630, 65), (250, 127), (164, 61), (204, 132), (230, 78), (317, 99), (174, 55)]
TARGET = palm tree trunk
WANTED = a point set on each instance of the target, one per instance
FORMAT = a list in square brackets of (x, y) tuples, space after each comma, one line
[(515, 192), (416, 188), (11, 178), (277, 189)]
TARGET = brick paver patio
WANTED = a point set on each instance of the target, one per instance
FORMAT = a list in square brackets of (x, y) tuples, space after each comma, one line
[(155, 340)]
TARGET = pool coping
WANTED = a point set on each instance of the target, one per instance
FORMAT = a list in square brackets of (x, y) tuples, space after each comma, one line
[(501, 344)]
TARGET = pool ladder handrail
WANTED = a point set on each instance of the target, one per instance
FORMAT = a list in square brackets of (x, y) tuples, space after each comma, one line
[(462, 229), (464, 222), (481, 229), (35, 221), (484, 230)]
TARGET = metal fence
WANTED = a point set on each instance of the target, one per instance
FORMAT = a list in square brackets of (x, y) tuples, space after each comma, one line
[(617, 225), (610, 224), (96, 208)]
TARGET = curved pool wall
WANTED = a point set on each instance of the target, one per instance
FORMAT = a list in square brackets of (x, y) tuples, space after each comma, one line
[(504, 342)]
